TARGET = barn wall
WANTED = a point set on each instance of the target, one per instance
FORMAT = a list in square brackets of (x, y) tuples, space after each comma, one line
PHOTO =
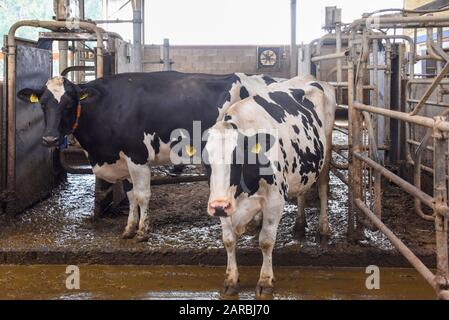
[(216, 60)]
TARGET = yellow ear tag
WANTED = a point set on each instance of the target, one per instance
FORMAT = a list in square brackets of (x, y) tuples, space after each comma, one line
[(191, 151), (84, 96), (256, 149), (34, 98)]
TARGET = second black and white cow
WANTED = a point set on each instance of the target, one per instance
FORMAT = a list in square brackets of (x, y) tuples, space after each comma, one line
[(269, 148), (128, 122)]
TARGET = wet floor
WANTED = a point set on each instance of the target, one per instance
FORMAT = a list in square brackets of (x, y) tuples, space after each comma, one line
[(130, 282), (63, 221)]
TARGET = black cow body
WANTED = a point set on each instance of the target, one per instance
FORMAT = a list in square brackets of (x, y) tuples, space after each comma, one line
[(126, 122)]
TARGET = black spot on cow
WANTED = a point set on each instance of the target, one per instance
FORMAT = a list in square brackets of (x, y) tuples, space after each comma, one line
[(295, 165), (244, 93), (268, 80), (317, 85), (281, 142), (284, 154), (295, 106), (156, 144), (305, 103), (305, 179), (248, 169), (284, 188), (305, 123), (310, 161), (296, 129), (228, 97), (275, 111), (296, 147)]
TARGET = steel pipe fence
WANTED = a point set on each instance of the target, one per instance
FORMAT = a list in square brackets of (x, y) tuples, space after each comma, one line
[(377, 102)]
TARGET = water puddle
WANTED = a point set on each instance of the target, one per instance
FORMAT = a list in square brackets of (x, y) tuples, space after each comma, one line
[(190, 283)]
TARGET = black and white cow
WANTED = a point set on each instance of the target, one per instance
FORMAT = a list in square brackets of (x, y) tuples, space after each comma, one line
[(269, 148), (126, 123)]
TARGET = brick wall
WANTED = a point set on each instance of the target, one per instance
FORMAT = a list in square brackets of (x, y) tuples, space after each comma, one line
[(216, 60)]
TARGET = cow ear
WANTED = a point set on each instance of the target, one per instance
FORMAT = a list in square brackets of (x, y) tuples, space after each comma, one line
[(30, 95), (88, 94), (261, 143)]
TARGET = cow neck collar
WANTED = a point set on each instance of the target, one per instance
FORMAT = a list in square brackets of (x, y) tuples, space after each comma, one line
[(78, 116)]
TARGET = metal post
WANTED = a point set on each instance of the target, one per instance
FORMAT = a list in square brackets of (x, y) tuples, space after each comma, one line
[(339, 62), (293, 46), (354, 144), (144, 35), (305, 63), (440, 195), (137, 32), (440, 44), (63, 46), (166, 55), (387, 95)]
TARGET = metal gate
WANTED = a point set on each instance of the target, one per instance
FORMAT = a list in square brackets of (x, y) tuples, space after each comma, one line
[(35, 168)]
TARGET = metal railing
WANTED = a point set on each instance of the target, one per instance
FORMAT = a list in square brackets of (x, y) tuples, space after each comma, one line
[(370, 53)]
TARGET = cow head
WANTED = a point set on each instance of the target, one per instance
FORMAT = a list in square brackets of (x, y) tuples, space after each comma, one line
[(60, 102), (236, 164)]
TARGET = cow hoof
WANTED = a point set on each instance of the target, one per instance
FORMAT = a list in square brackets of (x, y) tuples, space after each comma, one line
[(264, 290), (127, 235), (140, 238), (323, 239), (230, 289), (299, 233)]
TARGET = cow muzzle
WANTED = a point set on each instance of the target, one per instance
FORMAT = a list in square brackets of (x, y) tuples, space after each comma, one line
[(220, 209), (50, 141)]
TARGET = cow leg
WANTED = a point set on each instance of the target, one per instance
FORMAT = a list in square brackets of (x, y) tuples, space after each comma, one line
[(267, 239), (323, 184), (255, 225), (133, 217), (141, 178), (231, 284), (299, 231)]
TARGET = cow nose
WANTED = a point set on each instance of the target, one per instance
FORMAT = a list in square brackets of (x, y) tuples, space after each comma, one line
[(50, 140), (220, 209), (220, 212)]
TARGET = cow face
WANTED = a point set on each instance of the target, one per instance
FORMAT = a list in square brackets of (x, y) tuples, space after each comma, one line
[(236, 164), (59, 100)]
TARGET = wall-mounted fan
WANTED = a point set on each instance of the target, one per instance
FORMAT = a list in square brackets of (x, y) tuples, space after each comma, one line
[(269, 57)]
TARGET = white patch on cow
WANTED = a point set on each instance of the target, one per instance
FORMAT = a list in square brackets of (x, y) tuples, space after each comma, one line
[(221, 143), (148, 142), (56, 87), (113, 173), (164, 157), (235, 96), (141, 194)]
